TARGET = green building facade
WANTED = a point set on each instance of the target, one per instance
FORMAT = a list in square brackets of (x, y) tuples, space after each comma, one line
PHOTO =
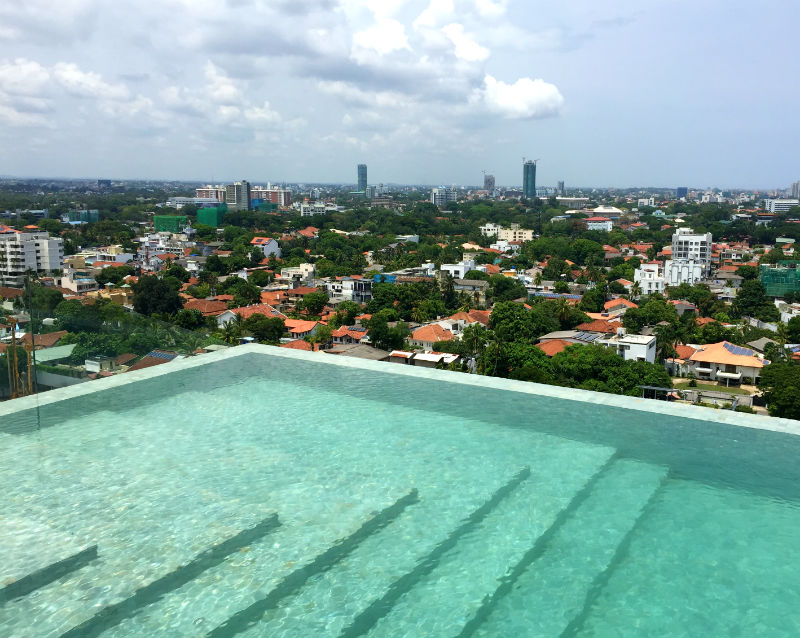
[(211, 216), (782, 278), (84, 215), (529, 179), (169, 223)]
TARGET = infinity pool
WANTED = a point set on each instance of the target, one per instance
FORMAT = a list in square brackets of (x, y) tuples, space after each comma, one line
[(265, 492)]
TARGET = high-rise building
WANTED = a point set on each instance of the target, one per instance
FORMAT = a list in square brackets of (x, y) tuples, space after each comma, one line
[(681, 192), (237, 196), (440, 196), (21, 252), (691, 258), (529, 179), (796, 190), (561, 190), (270, 195), (362, 178), (211, 192), (488, 182), (780, 205)]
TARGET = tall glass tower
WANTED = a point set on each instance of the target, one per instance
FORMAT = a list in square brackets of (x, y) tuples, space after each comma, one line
[(362, 178), (529, 179)]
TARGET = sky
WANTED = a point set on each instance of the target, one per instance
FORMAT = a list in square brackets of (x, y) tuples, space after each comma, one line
[(616, 93)]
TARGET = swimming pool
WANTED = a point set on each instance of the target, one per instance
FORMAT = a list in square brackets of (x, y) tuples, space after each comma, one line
[(266, 492)]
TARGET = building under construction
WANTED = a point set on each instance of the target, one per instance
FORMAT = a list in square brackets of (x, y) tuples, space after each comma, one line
[(781, 278)]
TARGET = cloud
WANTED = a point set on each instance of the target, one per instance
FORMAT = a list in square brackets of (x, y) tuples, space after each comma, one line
[(465, 47), (22, 77), (435, 13), (525, 99), (491, 8), (384, 37), (87, 84)]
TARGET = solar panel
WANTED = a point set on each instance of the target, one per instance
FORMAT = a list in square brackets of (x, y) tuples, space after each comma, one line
[(737, 350)]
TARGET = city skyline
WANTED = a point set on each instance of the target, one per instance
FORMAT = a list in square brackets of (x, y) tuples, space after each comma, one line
[(613, 96)]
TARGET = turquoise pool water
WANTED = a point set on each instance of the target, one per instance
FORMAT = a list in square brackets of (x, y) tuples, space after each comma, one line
[(264, 495)]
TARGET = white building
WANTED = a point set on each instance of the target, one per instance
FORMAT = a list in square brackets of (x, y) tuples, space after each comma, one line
[(599, 223), (457, 271), (347, 288), (268, 246), (646, 202), (515, 233), (631, 347), (490, 229), (650, 279), (440, 196), (23, 251), (691, 258), (780, 205)]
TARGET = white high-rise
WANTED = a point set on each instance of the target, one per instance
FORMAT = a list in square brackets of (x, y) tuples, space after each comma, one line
[(691, 258), (21, 252)]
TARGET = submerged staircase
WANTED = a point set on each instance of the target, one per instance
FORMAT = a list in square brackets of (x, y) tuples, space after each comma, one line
[(529, 559)]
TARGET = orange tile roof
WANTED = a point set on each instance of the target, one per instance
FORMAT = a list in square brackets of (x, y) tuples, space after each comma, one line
[(491, 269), (725, 353), (299, 326), (702, 321), (481, 316), (345, 331), (301, 291), (209, 307), (257, 309), (684, 352), (298, 344), (619, 301), (599, 325), (433, 332), (553, 346)]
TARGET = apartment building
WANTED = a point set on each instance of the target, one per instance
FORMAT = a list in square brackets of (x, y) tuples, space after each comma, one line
[(24, 251)]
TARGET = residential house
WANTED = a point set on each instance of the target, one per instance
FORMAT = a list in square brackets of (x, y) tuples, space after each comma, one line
[(475, 288), (248, 311), (650, 278), (631, 347), (348, 334), (428, 336), (268, 245), (726, 362)]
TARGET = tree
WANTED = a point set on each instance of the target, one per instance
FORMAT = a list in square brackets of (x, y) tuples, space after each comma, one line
[(265, 329), (179, 272), (322, 335), (113, 275), (593, 299), (313, 302), (381, 335), (747, 272), (189, 319), (780, 383), (793, 330), (261, 278), (506, 288), (752, 301), (476, 274), (561, 287), (152, 295)]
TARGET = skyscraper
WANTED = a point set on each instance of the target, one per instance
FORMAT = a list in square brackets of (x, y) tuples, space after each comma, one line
[(237, 196), (362, 178), (488, 182), (529, 179), (681, 192), (560, 188)]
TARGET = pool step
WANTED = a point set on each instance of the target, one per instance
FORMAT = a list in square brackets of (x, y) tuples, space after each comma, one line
[(550, 587), (450, 585), (295, 581), (112, 615), (333, 598), (35, 555), (126, 565), (266, 572)]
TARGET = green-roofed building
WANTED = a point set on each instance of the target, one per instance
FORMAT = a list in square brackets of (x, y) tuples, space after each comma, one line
[(211, 216), (781, 278), (169, 223)]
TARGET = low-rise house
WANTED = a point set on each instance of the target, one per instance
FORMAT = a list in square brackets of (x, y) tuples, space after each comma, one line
[(300, 328), (475, 288), (248, 311), (268, 245), (726, 362), (347, 335), (631, 347), (427, 336), (650, 278)]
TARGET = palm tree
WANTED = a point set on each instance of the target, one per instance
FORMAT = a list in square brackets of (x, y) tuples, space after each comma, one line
[(563, 311), (636, 290)]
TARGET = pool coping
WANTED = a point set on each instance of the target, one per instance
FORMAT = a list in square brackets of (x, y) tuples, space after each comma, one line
[(698, 413)]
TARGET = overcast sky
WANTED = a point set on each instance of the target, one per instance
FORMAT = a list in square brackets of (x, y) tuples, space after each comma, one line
[(617, 93)]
